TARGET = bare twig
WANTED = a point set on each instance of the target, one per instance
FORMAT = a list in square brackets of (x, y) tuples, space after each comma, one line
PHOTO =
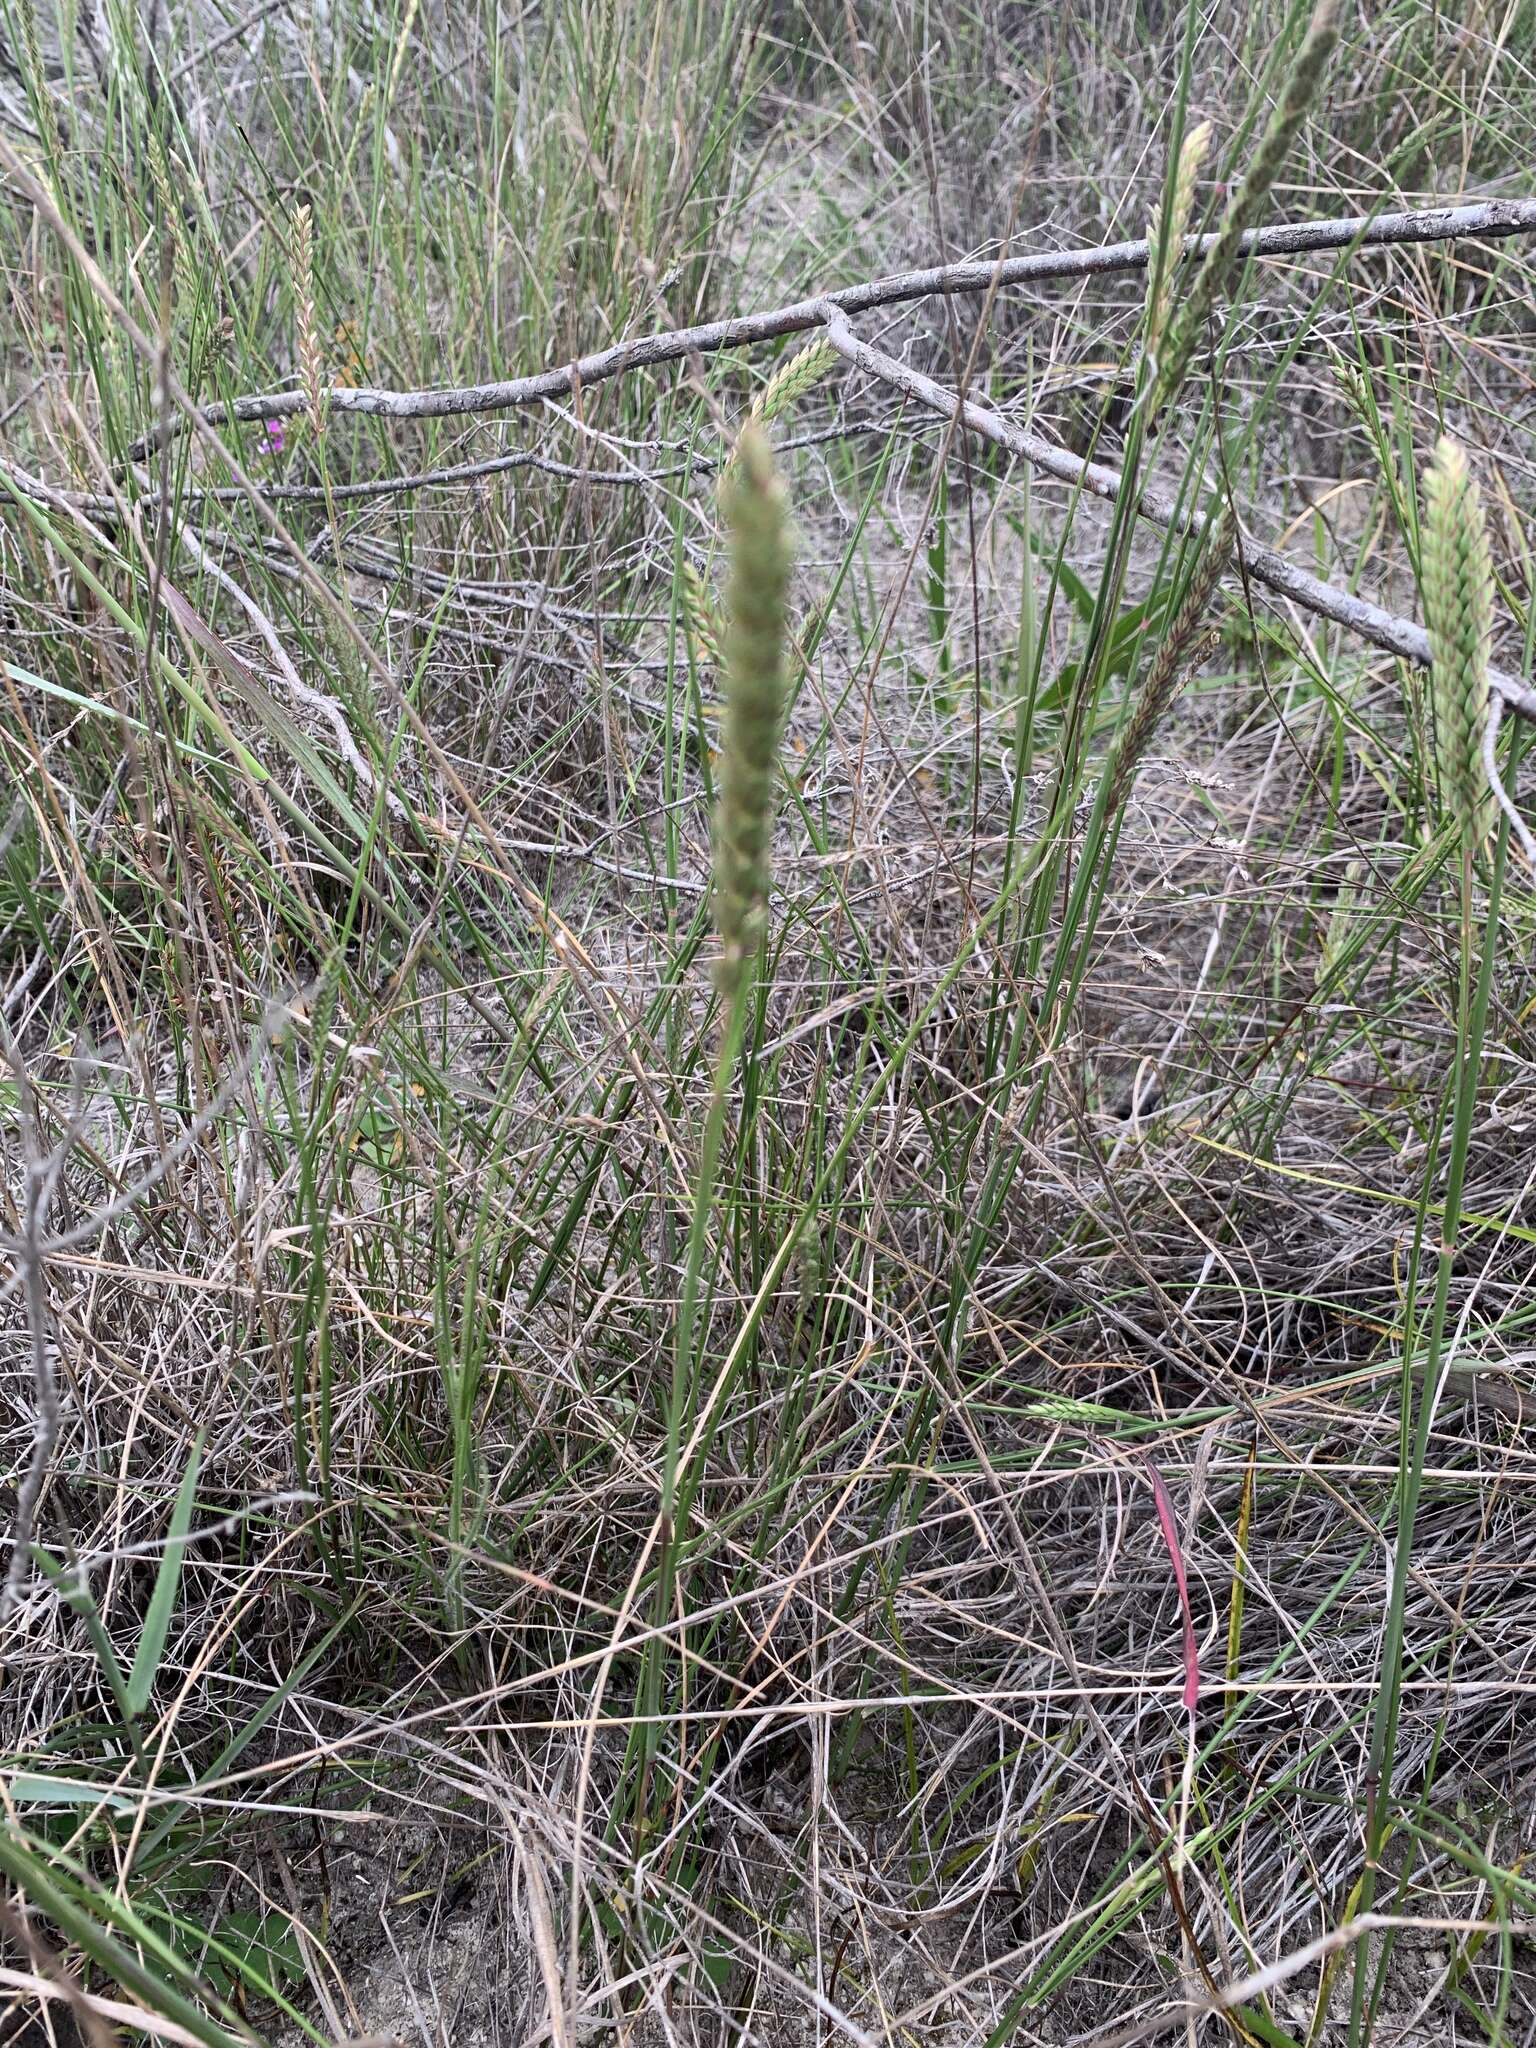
[(233, 34), (1325, 600), (1517, 824), (402, 484), (1384, 629), (1490, 219)]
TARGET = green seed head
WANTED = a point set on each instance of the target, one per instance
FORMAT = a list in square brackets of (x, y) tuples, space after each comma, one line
[(1181, 206), (1296, 96), (699, 617), (1343, 921), (755, 692), (783, 391), (790, 382), (36, 79), (1457, 578)]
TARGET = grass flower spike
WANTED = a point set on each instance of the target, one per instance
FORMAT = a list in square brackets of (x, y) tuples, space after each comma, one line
[(1166, 257), (1296, 96), (754, 702), (794, 377), (310, 361), (699, 617), (792, 380), (1458, 611)]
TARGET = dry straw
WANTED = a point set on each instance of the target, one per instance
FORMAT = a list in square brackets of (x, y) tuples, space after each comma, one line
[(755, 692), (1458, 613)]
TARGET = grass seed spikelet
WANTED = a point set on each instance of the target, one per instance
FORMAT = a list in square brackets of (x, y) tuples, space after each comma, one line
[(36, 79), (757, 603), (1296, 95), (800, 373), (699, 617), (310, 359), (1160, 300), (792, 380), (1457, 575), (1184, 646)]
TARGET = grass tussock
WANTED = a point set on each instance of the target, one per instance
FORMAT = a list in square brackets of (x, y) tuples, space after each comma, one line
[(761, 1285)]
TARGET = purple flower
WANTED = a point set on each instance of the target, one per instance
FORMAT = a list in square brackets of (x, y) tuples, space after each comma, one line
[(272, 437)]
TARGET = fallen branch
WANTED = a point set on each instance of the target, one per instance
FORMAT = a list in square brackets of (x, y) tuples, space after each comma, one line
[(1324, 600), (102, 505), (1488, 220)]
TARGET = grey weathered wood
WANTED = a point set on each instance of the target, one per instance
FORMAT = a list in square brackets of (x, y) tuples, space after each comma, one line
[(1324, 600), (1491, 219)]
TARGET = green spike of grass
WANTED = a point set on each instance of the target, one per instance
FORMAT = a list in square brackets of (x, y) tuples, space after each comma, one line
[(1458, 613), (1296, 96), (754, 702)]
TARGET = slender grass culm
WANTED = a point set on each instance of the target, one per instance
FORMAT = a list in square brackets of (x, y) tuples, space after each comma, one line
[(1176, 324), (757, 599), (1456, 574)]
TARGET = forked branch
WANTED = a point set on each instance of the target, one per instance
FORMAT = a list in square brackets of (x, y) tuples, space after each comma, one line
[(1489, 220), (1263, 565)]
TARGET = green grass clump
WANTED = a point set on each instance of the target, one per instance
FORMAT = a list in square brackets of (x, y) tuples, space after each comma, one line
[(686, 1495)]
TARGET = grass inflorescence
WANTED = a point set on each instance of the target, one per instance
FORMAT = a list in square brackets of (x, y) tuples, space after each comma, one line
[(1303, 78), (1458, 611), (755, 699)]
